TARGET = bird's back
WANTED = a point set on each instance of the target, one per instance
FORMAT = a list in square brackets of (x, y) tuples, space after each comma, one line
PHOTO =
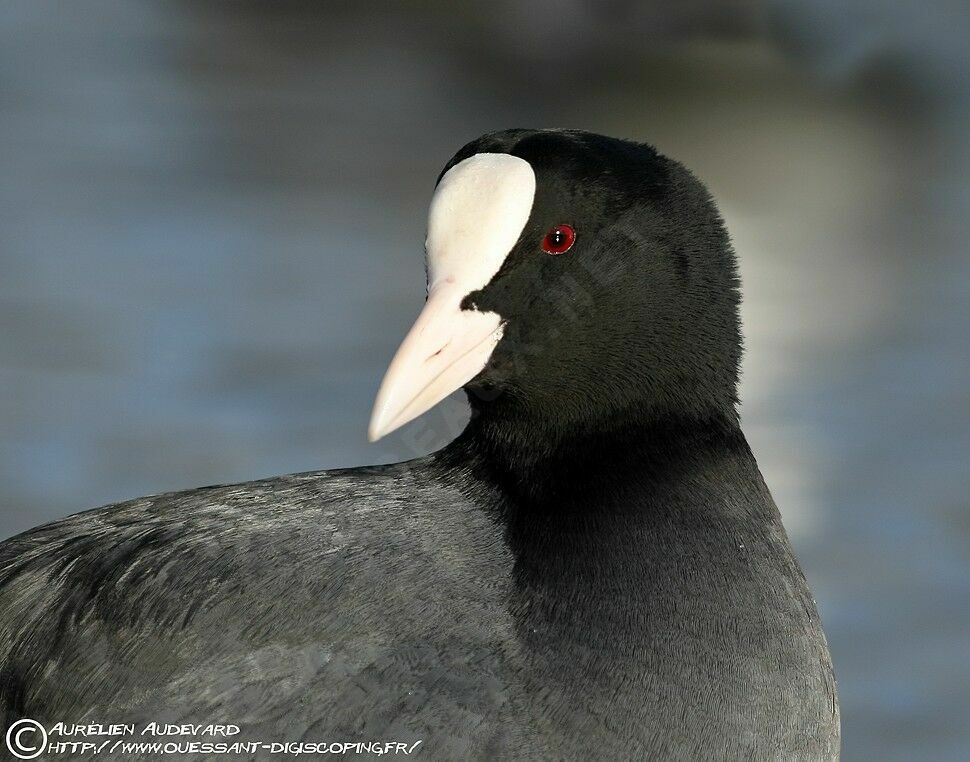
[(344, 605)]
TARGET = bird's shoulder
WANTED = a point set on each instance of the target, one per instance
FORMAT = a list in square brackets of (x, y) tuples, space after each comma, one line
[(257, 521), (257, 594)]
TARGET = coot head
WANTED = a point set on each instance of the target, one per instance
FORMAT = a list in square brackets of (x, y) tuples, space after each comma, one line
[(573, 280)]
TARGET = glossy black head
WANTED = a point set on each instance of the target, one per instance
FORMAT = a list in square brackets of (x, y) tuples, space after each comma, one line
[(638, 318)]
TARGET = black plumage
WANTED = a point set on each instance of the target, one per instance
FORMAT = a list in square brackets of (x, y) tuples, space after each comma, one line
[(594, 569)]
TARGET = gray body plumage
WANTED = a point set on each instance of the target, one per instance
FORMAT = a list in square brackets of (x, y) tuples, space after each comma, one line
[(382, 603)]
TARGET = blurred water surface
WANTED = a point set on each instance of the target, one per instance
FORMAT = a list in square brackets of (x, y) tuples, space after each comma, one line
[(211, 243)]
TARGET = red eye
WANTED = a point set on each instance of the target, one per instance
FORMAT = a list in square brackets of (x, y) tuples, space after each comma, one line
[(559, 240)]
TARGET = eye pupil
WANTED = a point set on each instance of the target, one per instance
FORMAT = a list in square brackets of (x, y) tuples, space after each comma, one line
[(559, 240)]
